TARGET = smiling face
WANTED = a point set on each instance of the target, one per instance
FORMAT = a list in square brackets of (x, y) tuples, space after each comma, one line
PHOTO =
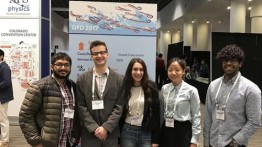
[(61, 69), (99, 55), (175, 73), (137, 73), (231, 68)]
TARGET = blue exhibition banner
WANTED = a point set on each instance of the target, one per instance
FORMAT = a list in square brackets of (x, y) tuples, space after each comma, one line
[(112, 18), (86, 23)]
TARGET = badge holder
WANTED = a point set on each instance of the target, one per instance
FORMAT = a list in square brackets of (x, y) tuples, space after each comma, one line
[(220, 113), (97, 104)]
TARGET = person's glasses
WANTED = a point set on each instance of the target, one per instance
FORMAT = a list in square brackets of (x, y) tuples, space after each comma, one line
[(97, 53), (60, 65)]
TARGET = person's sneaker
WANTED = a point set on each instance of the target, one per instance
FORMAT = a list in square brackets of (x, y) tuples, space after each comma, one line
[(3, 144)]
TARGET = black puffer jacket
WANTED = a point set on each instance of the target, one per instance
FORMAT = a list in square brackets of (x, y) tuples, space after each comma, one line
[(40, 114)]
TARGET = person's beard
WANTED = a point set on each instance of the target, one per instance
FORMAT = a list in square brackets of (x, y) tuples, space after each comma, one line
[(57, 75)]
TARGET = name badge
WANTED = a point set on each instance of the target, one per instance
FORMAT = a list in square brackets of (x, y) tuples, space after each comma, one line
[(169, 122), (69, 113), (135, 120), (220, 114), (97, 104)]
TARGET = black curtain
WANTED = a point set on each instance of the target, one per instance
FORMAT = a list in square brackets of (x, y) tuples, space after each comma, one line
[(175, 50)]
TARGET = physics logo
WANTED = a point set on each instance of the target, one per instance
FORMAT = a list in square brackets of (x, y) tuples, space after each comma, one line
[(18, 6)]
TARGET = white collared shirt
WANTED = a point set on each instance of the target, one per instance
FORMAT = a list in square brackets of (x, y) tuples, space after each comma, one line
[(101, 80)]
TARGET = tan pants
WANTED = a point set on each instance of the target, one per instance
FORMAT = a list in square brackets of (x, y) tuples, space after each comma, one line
[(4, 123)]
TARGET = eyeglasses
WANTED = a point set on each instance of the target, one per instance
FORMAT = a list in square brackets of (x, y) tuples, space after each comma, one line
[(60, 65), (96, 53)]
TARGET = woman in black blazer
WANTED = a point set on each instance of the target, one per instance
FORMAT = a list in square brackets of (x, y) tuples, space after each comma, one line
[(140, 122)]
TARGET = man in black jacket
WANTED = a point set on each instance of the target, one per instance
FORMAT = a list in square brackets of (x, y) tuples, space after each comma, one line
[(6, 95)]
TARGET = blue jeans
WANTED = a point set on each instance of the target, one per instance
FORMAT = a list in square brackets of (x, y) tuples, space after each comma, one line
[(134, 136)]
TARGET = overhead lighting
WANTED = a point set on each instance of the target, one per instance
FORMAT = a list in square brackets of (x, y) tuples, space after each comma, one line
[(249, 0), (208, 21), (193, 21), (249, 7), (228, 5)]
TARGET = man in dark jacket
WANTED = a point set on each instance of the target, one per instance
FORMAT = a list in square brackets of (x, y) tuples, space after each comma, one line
[(99, 98), (48, 116), (6, 95)]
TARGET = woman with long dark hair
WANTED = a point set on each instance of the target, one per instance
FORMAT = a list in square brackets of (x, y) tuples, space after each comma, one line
[(140, 121)]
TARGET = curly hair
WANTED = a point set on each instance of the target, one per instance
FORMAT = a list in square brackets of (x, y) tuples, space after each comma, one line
[(129, 81), (231, 52)]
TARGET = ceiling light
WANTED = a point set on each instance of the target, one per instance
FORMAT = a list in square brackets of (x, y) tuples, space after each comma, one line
[(208, 20), (193, 21), (249, 7), (228, 5), (249, 0)]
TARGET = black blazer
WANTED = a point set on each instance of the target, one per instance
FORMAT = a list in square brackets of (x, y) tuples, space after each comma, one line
[(151, 119)]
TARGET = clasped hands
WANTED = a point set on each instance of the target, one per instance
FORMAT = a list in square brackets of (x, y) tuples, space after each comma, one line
[(101, 133)]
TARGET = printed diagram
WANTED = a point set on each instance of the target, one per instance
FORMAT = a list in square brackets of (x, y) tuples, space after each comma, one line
[(23, 62)]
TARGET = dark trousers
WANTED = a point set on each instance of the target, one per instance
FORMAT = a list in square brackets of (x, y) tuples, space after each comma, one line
[(238, 146), (179, 136), (229, 146)]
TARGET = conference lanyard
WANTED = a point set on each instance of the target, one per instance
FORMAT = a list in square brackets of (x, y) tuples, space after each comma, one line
[(93, 86), (63, 92), (175, 99), (138, 103), (238, 76), (64, 95)]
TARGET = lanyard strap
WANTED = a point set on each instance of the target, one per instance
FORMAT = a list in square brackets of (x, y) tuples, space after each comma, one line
[(64, 94), (238, 76), (63, 91), (175, 101), (138, 103), (93, 86)]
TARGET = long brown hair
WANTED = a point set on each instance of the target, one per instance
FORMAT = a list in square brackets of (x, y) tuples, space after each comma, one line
[(129, 81)]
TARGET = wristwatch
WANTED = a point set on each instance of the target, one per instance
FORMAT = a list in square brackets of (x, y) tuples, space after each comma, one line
[(233, 143)]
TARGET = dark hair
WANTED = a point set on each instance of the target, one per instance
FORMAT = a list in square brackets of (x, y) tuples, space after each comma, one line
[(160, 55), (230, 52), (2, 53), (97, 43), (129, 81), (181, 62), (61, 56)]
